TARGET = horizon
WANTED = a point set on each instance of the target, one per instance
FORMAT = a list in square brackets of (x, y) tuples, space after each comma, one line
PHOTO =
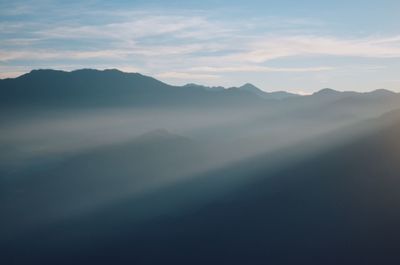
[(200, 84), (285, 46)]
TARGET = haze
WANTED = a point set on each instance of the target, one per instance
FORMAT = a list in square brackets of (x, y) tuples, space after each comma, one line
[(212, 132)]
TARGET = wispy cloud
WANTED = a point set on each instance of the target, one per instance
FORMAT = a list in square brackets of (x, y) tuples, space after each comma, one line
[(284, 46), (42, 54), (260, 69), (187, 75), (178, 44), (149, 35)]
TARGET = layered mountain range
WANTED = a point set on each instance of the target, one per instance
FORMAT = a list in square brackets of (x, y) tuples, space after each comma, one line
[(106, 167), (88, 88)]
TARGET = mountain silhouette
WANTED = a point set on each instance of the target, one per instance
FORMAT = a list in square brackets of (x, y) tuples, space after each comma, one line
[(263, 94), (88, 88), (110, 88)]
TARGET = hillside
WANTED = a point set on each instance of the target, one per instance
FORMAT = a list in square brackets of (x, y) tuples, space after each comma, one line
[(333, 205)]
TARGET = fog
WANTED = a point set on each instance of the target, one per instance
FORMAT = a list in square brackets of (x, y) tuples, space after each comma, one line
[(47, 133), (89, 158), (64, 163)]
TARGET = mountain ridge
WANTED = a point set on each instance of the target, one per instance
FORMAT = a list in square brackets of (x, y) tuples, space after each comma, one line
[(245, 87), (112, 87)]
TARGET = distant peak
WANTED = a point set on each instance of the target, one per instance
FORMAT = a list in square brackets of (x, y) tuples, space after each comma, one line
[(249, 86), (90, 70), (193, 85), (113, 70), (382, 91), (83, 70), (38, 71), (327, 91)]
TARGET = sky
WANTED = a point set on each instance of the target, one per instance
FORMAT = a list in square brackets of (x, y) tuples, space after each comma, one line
[(297, 46)]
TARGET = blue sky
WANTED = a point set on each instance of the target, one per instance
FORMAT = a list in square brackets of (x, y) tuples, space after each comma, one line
[(298, 46)]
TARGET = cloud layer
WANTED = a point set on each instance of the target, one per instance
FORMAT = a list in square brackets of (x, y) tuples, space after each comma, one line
[(179, 45)]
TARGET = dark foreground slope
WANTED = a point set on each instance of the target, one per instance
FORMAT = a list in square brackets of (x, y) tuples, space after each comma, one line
[(338, 206)]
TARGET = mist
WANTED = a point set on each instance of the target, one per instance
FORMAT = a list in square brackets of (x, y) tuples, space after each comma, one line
[(77, 170), (104, 155)]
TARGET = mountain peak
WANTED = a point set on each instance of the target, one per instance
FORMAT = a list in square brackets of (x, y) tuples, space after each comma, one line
[(249, 87), (192, 85), (44, 71), (383, 92), (327, 91)]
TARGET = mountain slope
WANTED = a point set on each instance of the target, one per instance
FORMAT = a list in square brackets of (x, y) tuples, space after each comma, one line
[(94, 88), (101, 174), (88, 88), (279, 95), (338, 205), (74, 88), (250, 88)]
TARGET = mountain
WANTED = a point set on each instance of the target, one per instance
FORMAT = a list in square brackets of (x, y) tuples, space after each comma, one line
[(337, 206), (332, 205), (383, 93), (331, 93), (88, 88), (116, 167), (88, 178), (250, 88), (267, 95), (213, 88), (108, 88), (327, 92)]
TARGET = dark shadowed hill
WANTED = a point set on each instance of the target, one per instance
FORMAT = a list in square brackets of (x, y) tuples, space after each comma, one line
[(108, 88), (75, 182), (332, 205)]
